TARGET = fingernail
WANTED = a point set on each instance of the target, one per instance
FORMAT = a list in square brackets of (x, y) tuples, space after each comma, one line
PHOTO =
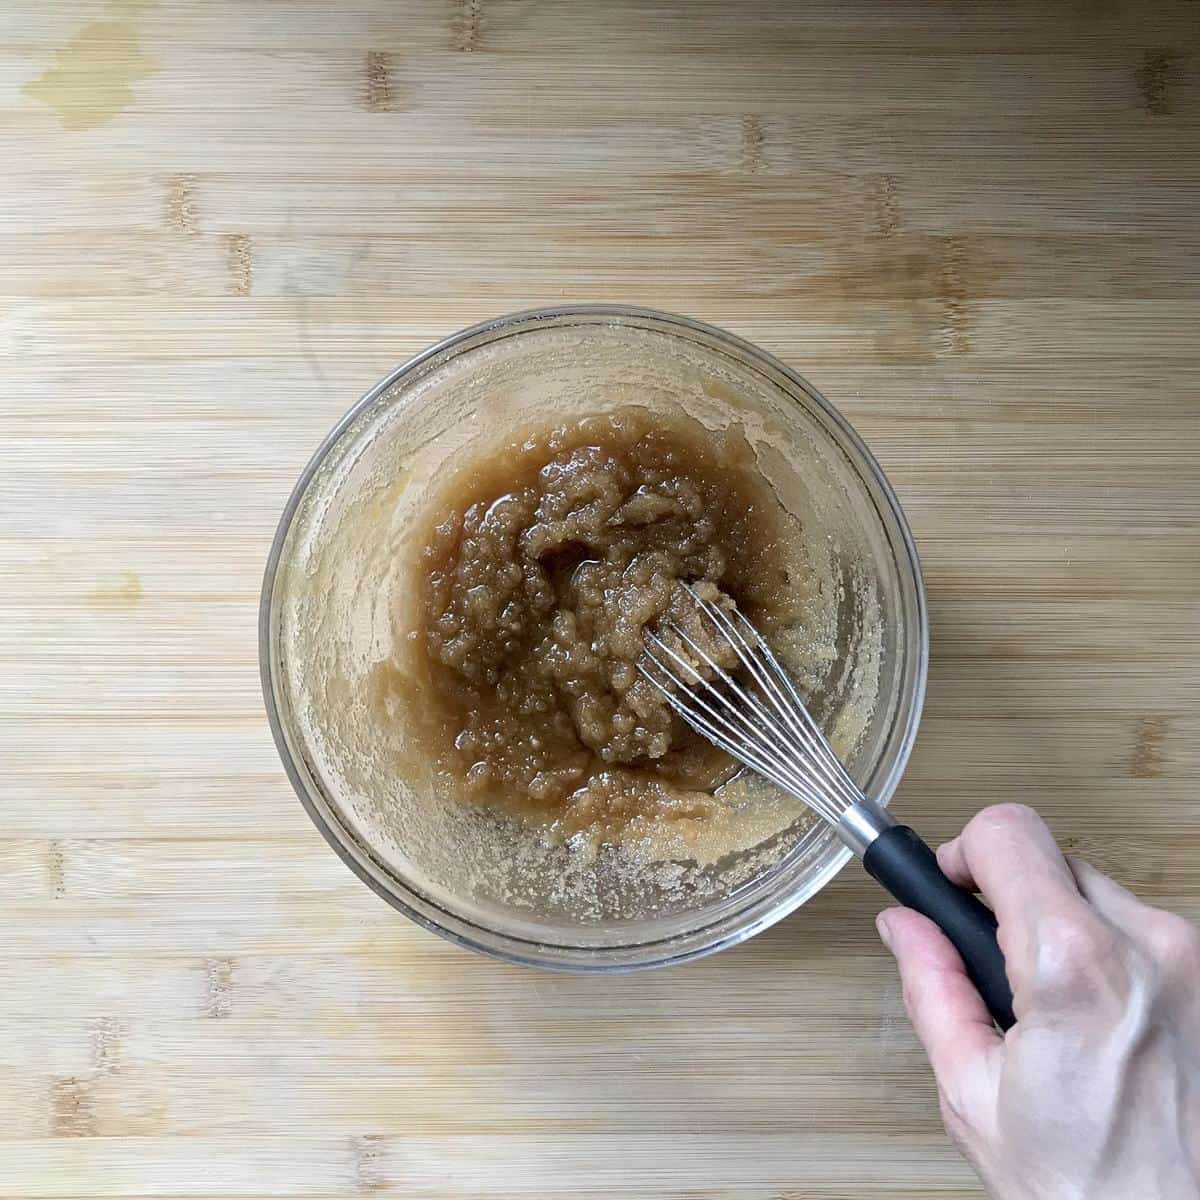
[(885, 930)]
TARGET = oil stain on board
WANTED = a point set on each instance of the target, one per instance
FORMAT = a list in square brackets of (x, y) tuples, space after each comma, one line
[(91, 79)]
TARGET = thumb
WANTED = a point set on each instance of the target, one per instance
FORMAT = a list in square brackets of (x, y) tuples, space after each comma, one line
[(948, 1014)]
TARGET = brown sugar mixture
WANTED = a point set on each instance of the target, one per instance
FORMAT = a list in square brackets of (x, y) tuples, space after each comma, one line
[(540, 572)]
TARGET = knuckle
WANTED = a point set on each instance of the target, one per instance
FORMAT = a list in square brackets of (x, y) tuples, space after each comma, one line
[(1176, 942), (1004, 818), (1073, 952)]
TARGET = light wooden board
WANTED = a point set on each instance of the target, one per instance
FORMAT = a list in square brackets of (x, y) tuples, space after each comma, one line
[(974, 226)]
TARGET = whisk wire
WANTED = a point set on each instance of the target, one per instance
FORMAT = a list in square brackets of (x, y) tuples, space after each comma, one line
[(772, 722), (733, 719), (749, 757), (748, 743), (767, 725), (792, 711)]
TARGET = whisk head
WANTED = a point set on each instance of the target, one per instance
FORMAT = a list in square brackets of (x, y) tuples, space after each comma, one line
[(759, 719)]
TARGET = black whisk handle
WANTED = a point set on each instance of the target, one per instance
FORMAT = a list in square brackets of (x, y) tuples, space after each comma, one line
[(906, 866)]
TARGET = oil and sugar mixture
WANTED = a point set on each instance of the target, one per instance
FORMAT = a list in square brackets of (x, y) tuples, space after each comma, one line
[(538, 572)]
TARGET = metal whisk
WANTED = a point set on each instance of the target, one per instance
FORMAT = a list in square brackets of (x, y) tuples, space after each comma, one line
[(761, 721)]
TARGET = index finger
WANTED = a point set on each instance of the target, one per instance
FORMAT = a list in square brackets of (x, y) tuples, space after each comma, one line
[(1007, 853)]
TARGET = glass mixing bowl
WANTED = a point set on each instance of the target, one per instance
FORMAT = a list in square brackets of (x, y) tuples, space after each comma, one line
[(326, 620)]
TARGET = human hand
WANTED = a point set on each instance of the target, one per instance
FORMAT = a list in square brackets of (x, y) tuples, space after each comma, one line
[(1095, 1093)]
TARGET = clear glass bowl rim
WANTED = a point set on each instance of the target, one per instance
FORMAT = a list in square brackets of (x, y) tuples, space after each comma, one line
[(722, 933)]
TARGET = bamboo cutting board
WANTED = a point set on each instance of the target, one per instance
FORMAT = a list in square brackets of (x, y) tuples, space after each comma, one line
[(974, 227)]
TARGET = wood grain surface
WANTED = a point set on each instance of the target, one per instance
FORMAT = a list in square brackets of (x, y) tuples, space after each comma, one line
[(973, 226)]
